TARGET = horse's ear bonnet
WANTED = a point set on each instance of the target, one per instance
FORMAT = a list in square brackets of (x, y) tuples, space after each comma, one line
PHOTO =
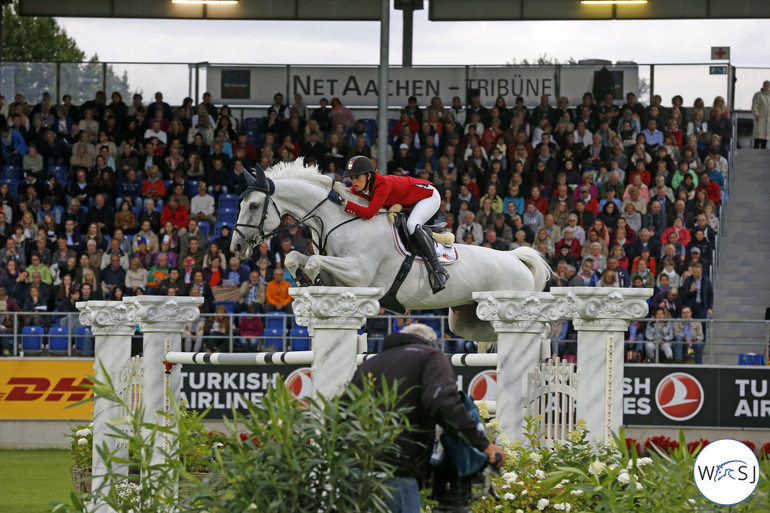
[(256, 180)]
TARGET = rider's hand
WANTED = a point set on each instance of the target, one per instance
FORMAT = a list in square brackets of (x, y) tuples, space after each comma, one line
[(335, 197), (492, 451)]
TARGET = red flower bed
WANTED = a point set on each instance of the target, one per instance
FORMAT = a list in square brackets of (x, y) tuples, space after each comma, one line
[(696, 446), (764, 451), (632, 443), (750, 445), (663, 443)]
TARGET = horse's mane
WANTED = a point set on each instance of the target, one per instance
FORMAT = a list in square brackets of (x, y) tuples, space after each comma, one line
[(297, 169)]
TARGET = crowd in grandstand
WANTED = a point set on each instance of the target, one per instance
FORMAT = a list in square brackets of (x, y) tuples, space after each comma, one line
[(107, 199)]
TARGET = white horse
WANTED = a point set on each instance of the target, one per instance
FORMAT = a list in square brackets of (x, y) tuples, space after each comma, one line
[(362, 253)]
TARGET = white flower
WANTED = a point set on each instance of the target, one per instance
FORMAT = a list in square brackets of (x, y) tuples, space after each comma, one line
[(539, 474), (691, 501), (536, 457), (509, 497), (83, 432), (524, 492), (542, 504), (499, 506), (644, 461), (639, 486), (623, 477), (576, 492), (82, 441), (90, 425), (563, 506), (506, 487), (596, 468), (510, 477), (519, 511)]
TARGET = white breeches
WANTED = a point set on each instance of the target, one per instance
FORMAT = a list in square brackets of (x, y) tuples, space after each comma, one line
[(423, 211)]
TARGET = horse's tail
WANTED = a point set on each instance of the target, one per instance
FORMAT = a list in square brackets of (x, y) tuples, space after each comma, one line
[(536, 264)]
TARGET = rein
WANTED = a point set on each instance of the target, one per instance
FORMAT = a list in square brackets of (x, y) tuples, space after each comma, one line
[(259, 234)]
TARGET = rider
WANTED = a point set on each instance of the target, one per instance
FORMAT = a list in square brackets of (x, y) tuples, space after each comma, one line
[(388, 190)]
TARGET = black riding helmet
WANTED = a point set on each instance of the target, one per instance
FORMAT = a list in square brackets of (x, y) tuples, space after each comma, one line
[(358, 165), (361, 165)]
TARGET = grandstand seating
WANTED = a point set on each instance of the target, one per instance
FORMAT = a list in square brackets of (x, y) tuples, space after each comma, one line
[(58, 340), (230, 305), (11, 173), (228, 201), (204, 228), (218, 229), (300, 339), (273, 337), (32, 339), (227, 215), (81, 334), (277, 320), (13, 185)]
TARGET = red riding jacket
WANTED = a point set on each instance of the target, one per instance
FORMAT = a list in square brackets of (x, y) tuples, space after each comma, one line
[(389, 190)]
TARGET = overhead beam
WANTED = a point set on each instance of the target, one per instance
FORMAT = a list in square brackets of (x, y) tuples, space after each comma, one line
[(327, 10), (541, 10)]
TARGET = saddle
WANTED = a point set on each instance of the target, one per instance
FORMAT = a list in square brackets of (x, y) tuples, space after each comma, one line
[(397, 216)]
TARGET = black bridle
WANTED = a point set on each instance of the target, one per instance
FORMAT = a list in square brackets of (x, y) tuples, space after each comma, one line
[(259, 182)]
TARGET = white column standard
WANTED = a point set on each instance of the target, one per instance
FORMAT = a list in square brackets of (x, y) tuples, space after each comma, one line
[(162, 320), (112, 329), (333, 316), (519, 319), (601, 317)]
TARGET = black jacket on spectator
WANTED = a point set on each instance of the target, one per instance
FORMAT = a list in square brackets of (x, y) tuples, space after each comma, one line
[(103, 215), (428, 384)]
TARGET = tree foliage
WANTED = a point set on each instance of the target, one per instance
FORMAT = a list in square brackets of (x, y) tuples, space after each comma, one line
[(542, 60), (35, 46), (32, 38)]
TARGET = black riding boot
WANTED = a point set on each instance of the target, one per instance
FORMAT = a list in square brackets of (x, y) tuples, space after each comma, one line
[(423, 242)]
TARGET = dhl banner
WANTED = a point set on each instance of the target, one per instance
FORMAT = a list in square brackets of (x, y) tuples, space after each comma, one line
[(43, 389)]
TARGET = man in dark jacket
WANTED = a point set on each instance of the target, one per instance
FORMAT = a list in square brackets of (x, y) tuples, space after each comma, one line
[(426, 379)]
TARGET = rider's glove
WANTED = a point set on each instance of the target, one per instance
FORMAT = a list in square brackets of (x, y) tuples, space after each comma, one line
[(335, 197)]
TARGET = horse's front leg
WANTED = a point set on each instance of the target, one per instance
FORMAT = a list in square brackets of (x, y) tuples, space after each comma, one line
[(345, 270), (295, 261)]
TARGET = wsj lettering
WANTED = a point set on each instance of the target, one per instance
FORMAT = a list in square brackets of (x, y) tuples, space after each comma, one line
[(34, 389), (754, 400), (308, 86), (735, 470)]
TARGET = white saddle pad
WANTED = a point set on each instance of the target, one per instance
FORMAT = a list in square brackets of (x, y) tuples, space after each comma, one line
[(447, 254)]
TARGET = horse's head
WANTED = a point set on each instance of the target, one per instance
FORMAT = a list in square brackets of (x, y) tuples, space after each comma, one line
[(255, 218)]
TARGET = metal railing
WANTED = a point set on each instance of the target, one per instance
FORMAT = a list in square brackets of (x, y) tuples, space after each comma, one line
[(751, 336)]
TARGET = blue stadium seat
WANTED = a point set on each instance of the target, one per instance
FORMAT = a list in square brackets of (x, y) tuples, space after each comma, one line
[(218, 229), (205, 228), (230, 305), (274, 337), (32, 339), (252, 124), (275, 320), (60, 172), (370, 127), (228, 201), (81, 333), (58, 342), (300, 339), (227, 215), (391, 124), (193, 184), (11, 172), (13, 185)]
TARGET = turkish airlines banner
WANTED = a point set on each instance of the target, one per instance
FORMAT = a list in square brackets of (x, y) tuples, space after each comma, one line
[(653, 395)]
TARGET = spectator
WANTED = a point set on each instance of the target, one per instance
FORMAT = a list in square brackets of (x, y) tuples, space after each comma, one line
[(136, 277), (251, 330), (113, 275), (175, 213), (760, 109), (277, 296), (217, 330), (698, 293), (659, 335), (472, 227)]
